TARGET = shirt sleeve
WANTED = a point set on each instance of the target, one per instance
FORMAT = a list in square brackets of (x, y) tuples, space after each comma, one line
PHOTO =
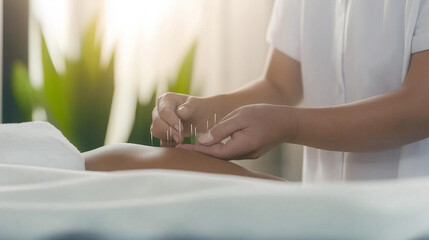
[(284, 29), (420, 40)]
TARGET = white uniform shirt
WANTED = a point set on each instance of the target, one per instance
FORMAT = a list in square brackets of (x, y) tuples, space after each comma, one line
[(352, 50)]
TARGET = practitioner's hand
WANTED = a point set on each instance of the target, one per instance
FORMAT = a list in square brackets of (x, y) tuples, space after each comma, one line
[(178, 112), (254, 130)]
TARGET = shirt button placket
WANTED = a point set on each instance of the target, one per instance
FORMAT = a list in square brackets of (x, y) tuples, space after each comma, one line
[(340, 38), (340, 27)]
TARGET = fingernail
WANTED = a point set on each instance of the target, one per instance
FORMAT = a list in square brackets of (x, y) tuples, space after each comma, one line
[(206, 138), (183, 109), (176, 139)]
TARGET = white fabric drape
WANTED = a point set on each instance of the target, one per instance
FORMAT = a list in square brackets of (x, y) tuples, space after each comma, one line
[(42, 203)]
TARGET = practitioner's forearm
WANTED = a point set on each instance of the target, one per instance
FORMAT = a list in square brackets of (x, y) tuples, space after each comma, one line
[(386, 121), (281, 85), (376, 124), (258, 92)]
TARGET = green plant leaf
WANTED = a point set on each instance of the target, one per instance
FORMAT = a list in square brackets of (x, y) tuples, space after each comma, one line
[(78, 101), (140, 132), (91, 52), (56, 94), (93, 87), (24, 93), (183, 81)]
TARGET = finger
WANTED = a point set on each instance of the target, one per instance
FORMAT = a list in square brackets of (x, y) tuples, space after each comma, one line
[(236, 148), (167, 144), (166, 106), (221, 131), (184, 111), (171, 118), (216, 150), (161, 130), (229, 116), (158, 126), (187, 110), (213, 150)]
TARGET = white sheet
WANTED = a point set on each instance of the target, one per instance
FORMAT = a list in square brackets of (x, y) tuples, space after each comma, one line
[(42, 203), (38, 144)]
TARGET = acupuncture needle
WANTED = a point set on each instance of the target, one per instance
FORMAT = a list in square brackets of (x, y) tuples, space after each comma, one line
[(171, 137), (192, 137), (180, 133)]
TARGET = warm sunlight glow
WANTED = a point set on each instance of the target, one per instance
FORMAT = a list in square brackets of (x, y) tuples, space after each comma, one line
[(149, 39), (128, 15)]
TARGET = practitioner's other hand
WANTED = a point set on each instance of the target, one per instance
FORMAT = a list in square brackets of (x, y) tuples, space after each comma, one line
[(254, 130), (178, 112)]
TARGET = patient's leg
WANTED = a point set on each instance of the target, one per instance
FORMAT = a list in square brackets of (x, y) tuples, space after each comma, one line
[(132, 156)]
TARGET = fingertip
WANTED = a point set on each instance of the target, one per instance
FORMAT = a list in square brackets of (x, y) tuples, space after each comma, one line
[(176, 139), (206, 139)]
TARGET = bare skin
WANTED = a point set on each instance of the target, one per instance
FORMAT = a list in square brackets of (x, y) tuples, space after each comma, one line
[(281, 84), (132, 156), (386, 121)]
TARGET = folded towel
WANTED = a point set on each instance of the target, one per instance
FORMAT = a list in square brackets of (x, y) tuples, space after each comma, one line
[(38, 144)]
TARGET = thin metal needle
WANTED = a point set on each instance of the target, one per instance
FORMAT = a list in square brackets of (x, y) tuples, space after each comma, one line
[(171, 137), (168, 140), (192, 136), (180, 132), (195, 132)]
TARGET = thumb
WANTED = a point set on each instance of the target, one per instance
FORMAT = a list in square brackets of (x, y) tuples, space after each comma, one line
[(186, 110), (220, 132)]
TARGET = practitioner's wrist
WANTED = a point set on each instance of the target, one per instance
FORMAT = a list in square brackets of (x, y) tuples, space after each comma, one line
[(221, 105), (290, 124)]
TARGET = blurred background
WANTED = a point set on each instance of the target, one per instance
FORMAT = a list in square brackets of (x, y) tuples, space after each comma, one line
[(94, 68)]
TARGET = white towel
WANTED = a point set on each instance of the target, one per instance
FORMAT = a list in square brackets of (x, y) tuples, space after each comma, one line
[(38, 144), (43, 203)]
